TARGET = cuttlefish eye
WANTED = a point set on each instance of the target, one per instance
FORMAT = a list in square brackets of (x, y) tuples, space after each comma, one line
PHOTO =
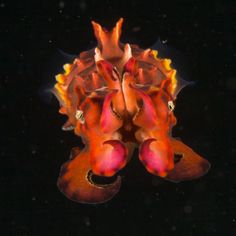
[(80, 116), (171, 106)]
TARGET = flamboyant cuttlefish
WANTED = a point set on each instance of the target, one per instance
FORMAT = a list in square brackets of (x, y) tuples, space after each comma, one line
[(117, 97)]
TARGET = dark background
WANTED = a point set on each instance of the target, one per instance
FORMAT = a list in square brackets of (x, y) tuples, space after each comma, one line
[(33, 146)]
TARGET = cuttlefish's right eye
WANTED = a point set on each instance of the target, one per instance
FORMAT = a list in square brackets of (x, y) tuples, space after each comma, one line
[(171, 106)]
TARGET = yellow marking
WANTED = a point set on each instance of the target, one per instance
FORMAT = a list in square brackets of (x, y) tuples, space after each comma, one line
[(60, 78), (67, 68), (166, 63), (155, 53), (173, 81), (153, 89), (59, 88), (61, 92)]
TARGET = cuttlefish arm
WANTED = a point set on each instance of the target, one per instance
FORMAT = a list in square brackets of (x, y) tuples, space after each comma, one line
[(75, 180), (189, 166)]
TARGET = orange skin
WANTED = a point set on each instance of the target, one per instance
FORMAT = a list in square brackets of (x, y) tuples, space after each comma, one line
[(118, 97)]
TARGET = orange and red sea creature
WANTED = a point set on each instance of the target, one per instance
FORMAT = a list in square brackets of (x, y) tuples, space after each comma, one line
[(118, 97)]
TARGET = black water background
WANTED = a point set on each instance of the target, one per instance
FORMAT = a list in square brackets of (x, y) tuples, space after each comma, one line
[(33, 147)]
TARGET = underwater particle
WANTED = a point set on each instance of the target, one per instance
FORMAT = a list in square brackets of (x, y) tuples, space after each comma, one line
[(188, 209), (173, 228), (34, 149), (118, 97), (61, 4), (136, 29), (82, 5), (231, 83), (34, 152), (148, 201), (87, 221)]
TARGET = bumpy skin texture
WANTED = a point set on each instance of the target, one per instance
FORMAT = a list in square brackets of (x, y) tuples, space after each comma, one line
[(119, 96)]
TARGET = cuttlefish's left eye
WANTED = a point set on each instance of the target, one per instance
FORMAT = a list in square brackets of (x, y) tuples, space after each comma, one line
[(80, 116), (171, 106)]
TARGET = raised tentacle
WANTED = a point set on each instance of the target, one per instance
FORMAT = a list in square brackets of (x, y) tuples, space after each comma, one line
[(108, 41)]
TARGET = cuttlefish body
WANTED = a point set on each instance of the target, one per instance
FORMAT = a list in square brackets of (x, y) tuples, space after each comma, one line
[(118, 97)]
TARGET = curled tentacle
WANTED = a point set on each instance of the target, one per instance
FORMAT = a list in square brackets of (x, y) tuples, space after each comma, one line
[(76, 183), (190, 165), (108, 41)]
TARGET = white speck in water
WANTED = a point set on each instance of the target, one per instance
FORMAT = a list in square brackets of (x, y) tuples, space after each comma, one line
[(61, 4), (82, 5), (136, 29), (87, 221), (188, 209)]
